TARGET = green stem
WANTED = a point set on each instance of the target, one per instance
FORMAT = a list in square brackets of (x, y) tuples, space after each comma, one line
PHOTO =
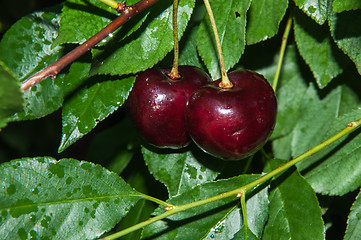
[(244, 212), (282, 52), (239, 192), (225, 83), (111, 3), (156, 200), (174, 74)]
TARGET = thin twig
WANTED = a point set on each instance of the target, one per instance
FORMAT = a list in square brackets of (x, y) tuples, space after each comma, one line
[(52, 70)]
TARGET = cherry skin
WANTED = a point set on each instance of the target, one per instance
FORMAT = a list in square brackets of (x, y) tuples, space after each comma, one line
[(232, 123), (158, 103)]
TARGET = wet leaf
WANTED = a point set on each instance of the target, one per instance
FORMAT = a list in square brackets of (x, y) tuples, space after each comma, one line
[(180, 171), (73, 28), (316, 9), (152, 45), (65, 199), (26, 49), (90, 106)]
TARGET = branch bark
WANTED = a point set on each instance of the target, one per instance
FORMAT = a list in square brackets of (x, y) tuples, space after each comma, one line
[(127, 12)]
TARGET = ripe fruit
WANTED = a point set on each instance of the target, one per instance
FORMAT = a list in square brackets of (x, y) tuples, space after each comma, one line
[(158, 103), (232, 123)]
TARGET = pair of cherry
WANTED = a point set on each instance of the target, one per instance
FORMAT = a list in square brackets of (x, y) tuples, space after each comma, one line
[(227, 123)]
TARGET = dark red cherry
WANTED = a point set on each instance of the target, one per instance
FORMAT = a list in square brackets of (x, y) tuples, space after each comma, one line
[(158, 103), (232, 123)]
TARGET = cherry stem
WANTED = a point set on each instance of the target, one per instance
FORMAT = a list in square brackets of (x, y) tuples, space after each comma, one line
[(240, 192), (282, 52), (174, 74), (225, 83), (127, 12)]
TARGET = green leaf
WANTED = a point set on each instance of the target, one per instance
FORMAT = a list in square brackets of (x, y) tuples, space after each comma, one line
[(294, 212), (290, 92), (26, 49), (91, 105), (153, 43), (353, 230), (10, 95), (347, 34), (264, 19), (218, 220), (188, 54), (64, 199), (316, 114), (230, 17), (337, 169), (316, 9), (73, 28), (282, 148), (180, 171), (345, 5), (81, 19), (317, 49)]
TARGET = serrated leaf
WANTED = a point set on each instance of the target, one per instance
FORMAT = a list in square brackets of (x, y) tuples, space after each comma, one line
[(90, 106), (316, 114), (222, 217), (347, 34), (337, 169), (264, 19), (81, 19), (180, 171), (294, 212), (26, 49), (152, 44), (230, 18), (345, 5), (73, 28), (353, 230), (316, 9), (65, 199), (317, 49), (10, 95)]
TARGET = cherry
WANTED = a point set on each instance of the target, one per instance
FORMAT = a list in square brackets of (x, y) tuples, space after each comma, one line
[(158, 102), (232, 123)]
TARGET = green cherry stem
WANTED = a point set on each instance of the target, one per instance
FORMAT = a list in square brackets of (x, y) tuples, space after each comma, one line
[(282, 52), (239, 192), (174, 74), (225, 83)]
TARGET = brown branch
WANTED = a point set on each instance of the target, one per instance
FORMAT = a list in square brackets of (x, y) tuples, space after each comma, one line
[(127, 12)]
